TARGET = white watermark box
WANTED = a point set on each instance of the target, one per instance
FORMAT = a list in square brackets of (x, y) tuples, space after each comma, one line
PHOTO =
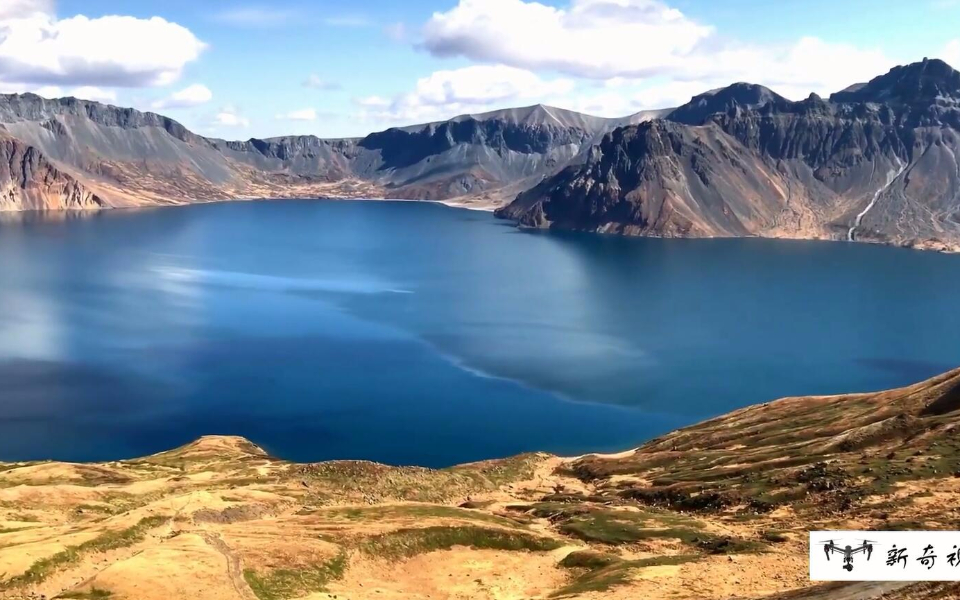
[(885, 555)]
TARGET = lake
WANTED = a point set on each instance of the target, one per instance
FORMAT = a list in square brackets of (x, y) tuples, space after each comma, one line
[(414, 333)]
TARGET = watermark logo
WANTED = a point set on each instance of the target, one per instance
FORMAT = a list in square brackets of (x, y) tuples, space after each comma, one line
[(901, 556), (830, 548)]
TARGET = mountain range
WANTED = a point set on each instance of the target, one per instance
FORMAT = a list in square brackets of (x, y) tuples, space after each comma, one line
[(874, 162), (69, 154)]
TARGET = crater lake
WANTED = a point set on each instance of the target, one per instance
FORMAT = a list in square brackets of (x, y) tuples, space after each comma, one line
[(414, 333)]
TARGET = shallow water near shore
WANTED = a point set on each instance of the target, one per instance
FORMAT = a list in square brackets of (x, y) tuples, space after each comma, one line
[(414, 333)]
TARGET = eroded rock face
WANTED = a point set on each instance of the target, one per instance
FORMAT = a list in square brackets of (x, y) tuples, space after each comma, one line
[(878, 163), (659, 178), (28, 181)]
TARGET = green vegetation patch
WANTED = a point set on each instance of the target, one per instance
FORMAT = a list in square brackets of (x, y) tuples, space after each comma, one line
[(590, 560), (612, 531), (775, 536), (615, 527), (835, 452), (502, 471), (477, 504), (622, 527), (604, 571), (13, 529), (405, 543), (104, 509), (414, 511), (369, 480), (23, 518), (111, 540), (904, 526), (93, 594), (282, 584)]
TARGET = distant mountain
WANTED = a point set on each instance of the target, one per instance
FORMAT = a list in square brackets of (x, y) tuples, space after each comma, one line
[(876, 162), (123, 157), (739, 96), (919, 84)]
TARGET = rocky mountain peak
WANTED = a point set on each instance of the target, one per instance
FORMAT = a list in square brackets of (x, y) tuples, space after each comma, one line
[(736, 96), (930, 81)]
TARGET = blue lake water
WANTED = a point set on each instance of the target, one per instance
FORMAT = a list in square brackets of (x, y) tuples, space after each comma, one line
[(414, 333)]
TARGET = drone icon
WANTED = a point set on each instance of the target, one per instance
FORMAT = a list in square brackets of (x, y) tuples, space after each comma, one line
[(848, 551)]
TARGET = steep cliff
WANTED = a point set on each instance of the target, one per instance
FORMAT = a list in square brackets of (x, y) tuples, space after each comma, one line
[(28, 181), (877, 163)]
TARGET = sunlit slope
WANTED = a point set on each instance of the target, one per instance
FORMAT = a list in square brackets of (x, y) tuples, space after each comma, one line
[(717, 510)]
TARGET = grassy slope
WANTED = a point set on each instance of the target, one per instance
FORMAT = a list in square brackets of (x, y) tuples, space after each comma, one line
[(833, 451), (716, 510)]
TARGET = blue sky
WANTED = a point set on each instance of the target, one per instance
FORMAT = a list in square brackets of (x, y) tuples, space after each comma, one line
[(335, 68)]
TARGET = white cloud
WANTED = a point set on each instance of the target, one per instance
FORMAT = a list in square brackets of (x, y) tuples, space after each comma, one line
[(193, 95), (47, 91), (670, 94), (116, 51), (86, 92), (613, 40), (318, 83), (306, 114), (484, 84), (372, 102), (396, 31), (621, 97), (445, 94), (16, 9), (589, 38), (89, 92), (626, 98), (667, 94), (257, 16), (951, 53), (808, 65), (604, 104), (229, 116), (348, 21)]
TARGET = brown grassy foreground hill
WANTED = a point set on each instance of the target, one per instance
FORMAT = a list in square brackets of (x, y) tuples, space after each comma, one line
[(717, 510)]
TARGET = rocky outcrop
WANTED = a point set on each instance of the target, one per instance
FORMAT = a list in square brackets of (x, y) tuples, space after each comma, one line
[(28, 181), (739, 96), (877, 162), (659, 178)]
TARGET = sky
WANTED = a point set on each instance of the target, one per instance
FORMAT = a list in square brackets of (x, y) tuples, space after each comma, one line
[(342, 68)]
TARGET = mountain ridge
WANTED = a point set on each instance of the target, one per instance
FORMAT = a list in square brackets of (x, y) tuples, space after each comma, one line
[(743, 161), (874, 162), (133, 158)]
